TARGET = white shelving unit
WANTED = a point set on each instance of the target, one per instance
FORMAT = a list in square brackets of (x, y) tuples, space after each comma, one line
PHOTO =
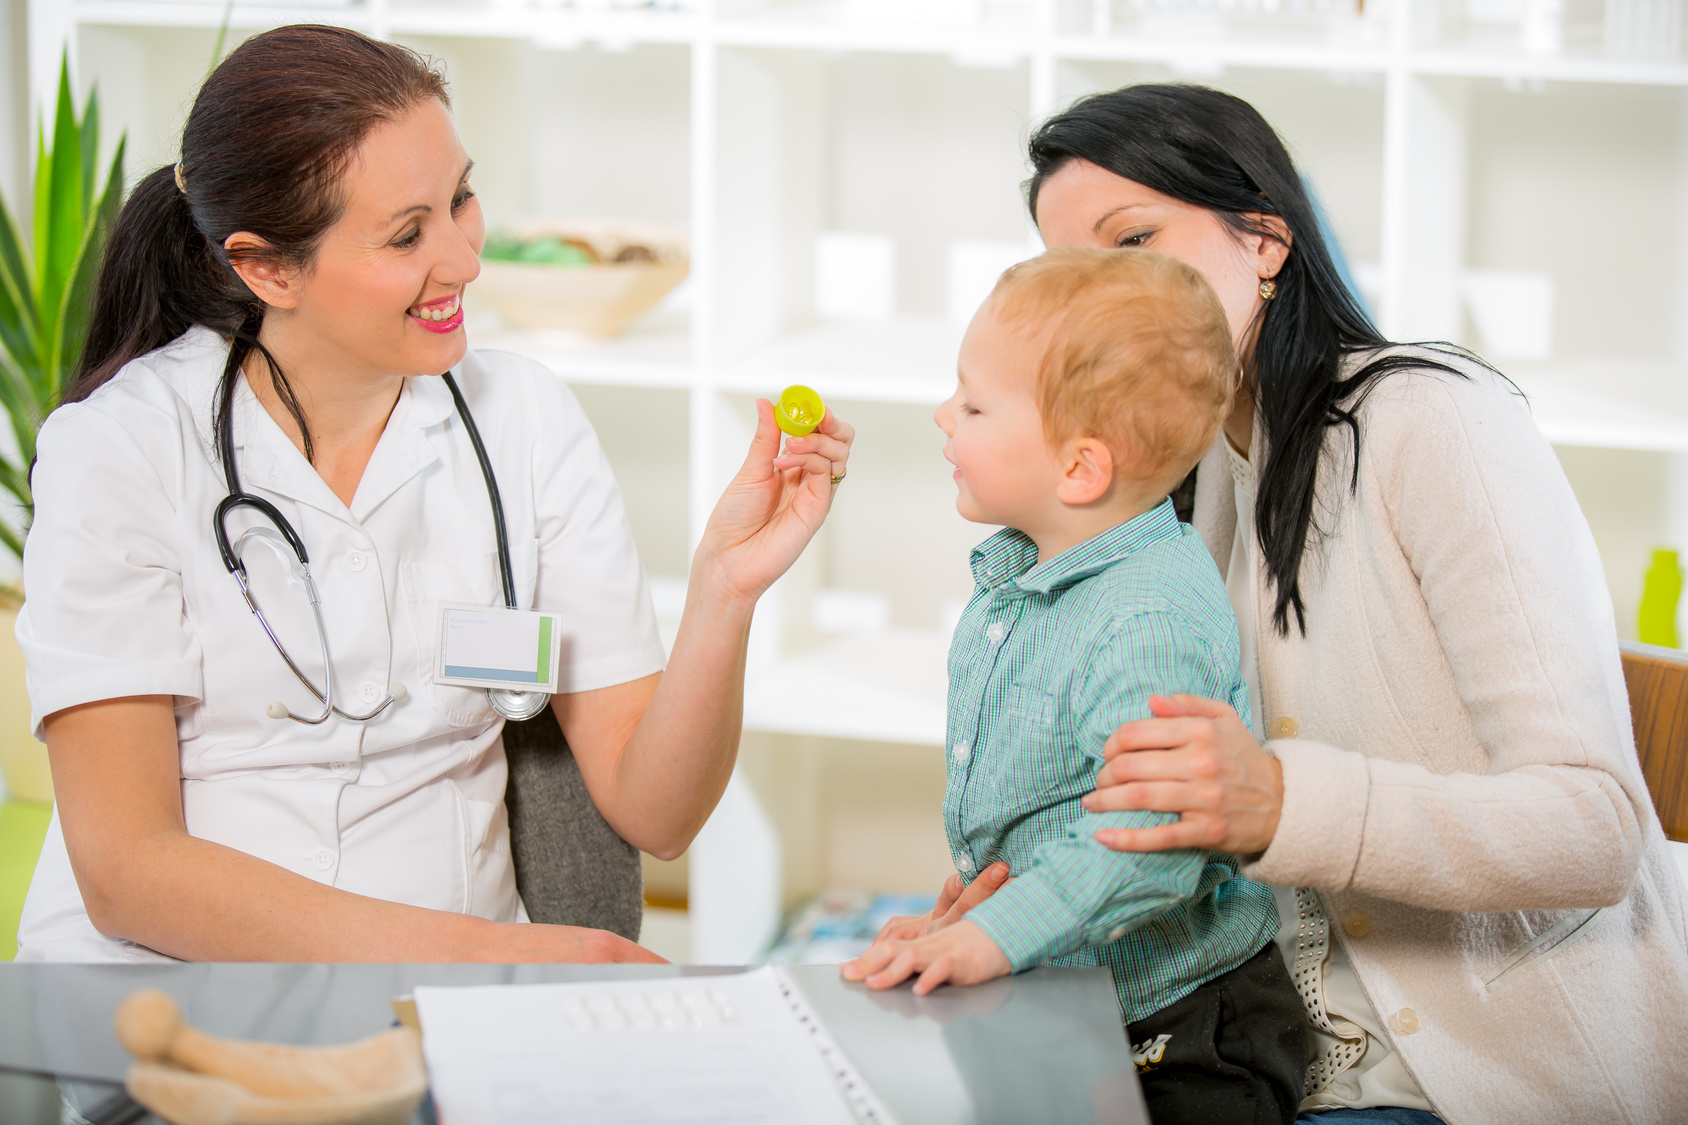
[(1436, 149)]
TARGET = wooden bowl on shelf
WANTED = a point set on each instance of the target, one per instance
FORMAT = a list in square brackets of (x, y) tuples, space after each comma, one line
[(633, 266)]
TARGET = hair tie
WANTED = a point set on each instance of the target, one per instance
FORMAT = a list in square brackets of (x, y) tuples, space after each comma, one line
[(181, 181)]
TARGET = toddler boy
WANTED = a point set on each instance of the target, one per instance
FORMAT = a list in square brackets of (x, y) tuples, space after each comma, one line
[(1090, 383)]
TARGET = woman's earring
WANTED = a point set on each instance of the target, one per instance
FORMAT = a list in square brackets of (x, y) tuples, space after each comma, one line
[(1268, 289)]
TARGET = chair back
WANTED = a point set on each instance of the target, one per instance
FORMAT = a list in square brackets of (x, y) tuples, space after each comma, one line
[(571, 867), (1658, 706)]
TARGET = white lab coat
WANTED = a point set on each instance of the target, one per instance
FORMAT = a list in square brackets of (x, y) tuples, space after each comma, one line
[(127, 595)]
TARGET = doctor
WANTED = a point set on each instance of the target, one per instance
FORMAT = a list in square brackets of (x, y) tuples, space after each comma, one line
[(321, 222)]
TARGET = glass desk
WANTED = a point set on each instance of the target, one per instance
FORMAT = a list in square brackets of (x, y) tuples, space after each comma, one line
[(1044, 1046)]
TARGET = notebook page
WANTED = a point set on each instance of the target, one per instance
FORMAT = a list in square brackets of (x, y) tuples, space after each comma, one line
[(741, 1049)]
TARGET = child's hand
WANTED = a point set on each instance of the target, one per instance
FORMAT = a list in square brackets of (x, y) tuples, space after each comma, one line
[(953, 902), (958, 954)]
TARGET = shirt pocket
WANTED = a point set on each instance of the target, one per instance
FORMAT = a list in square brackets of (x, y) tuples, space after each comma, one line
[(1029, 764), (470, 579)]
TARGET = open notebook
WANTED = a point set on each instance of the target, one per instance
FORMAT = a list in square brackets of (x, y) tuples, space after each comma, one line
[(744, 1048)]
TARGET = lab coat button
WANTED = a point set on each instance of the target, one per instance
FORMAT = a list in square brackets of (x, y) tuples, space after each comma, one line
[(1404, 1022), (995, 631), (341, 768), (369, 692), (963, 863), (323, 860), (1357, 924), (1285, 727), (961, 751), (356, 560)]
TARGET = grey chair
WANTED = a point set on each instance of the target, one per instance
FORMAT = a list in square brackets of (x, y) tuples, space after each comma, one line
[(571, 867)]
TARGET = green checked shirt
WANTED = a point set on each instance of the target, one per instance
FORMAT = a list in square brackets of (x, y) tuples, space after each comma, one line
[(1047, 661)]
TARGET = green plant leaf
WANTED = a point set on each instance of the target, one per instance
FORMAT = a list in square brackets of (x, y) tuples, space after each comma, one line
[(17, 399), (61, 228), (11, 540), (79, 293), (20, 332), (89, 136)]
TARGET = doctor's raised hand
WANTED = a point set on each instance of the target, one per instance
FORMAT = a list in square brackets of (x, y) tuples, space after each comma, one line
[(775, 504), (280, 464)]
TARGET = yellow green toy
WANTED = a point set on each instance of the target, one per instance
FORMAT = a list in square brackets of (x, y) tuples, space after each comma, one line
[(799, 410), (1661, 588)]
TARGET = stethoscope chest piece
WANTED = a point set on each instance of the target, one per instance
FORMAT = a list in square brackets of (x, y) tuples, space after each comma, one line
[(517, 705)]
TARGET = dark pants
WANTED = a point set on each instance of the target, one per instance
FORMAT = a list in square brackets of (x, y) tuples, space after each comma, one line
[(1233, 1052)]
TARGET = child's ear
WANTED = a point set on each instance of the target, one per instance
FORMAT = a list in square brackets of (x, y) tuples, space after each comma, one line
[(1087, 471)]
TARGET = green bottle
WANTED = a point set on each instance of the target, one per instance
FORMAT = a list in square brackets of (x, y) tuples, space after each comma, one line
[(1661, 587)]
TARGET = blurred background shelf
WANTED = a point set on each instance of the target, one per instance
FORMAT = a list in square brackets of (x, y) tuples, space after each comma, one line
[(885, 688)]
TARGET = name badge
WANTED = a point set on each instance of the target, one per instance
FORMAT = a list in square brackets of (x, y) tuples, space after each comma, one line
[(494, 647)]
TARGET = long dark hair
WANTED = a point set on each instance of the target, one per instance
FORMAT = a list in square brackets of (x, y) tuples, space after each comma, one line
[(1213, 150), (264, 149)]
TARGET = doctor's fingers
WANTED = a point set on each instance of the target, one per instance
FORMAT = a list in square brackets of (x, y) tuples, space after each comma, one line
[(834, 426), (765, 444), (810, 464), (838, 452)]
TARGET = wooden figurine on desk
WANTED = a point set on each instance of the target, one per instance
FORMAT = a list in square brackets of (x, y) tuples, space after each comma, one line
[(190, 1078)]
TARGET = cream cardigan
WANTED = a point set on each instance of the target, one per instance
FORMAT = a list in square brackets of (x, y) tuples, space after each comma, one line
[(1460, 777)]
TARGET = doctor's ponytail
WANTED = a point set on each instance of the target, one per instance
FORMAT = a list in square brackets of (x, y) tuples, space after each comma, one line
[(264, 149)]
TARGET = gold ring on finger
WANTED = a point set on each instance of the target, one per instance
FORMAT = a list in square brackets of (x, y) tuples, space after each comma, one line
[(840, 476)]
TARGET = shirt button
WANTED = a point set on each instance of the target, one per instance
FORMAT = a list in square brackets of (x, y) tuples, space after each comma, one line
[(323, 860), (1116, 933), (356, 560), (963, 863), (341, 768), (1285, 727), (1357, 924), (1404, 1022), (961, 751), (369, 693), (995, 632)]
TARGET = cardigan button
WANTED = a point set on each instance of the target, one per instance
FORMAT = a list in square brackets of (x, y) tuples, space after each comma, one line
[(1357, 924), (1285, 728), (1404, 1022)]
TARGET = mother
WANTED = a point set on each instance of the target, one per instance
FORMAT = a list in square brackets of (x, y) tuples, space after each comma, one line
[(1476, 898), (274, 315)]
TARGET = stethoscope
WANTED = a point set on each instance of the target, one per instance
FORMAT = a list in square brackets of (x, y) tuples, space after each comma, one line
[(286, 542)]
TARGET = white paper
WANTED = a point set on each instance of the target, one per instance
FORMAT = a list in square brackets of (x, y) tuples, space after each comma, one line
[(741, 1049)]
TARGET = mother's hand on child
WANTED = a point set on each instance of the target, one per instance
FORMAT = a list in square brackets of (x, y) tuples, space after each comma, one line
[(960, 954), (775, 503), (954, 901), (1197, 759)]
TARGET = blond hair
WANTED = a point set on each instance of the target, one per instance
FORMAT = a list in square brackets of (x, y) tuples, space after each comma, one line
[(1136, 352)]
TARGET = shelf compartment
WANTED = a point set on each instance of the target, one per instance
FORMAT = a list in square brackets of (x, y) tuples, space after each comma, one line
[(887, 687), (656, 351), (907, 360)]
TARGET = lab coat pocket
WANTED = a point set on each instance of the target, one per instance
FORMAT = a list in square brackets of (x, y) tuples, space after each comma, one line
[(429, 584)]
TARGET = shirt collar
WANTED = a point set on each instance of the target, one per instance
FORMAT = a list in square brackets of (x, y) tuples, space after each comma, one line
[(1009, 558), (268, 459)]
